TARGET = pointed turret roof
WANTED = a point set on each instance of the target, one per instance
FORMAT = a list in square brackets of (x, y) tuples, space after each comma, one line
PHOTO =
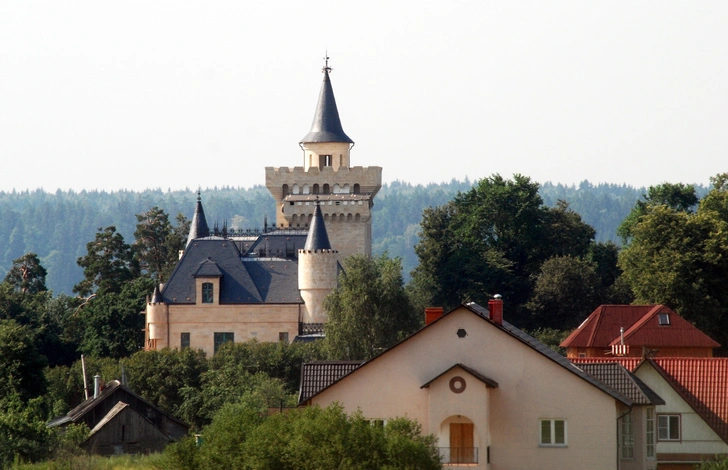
[(198, 227), (326, 126), (317, 239)]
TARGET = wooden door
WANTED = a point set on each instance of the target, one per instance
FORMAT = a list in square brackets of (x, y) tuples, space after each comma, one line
[(461, 443)]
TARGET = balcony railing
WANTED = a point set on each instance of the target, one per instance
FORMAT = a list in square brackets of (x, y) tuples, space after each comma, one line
[(310, 328), (455, 455)]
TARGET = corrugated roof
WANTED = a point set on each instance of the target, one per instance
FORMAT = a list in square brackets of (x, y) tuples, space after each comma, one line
[(614, 375), (641, 324), (703, 383), (316, 376), (326, 125)]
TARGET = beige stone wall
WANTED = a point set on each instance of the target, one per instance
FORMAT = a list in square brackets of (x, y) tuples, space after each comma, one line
[(317, 277), (530, 388), (369, 178), (263, 322), (339, 152)]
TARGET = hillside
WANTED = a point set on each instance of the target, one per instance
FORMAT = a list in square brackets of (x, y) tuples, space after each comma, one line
[(58, 225)]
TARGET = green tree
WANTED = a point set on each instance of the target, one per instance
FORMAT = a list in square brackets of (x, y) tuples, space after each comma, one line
[(719, 463), (312, 438), (678, 196), (21, 364), (158, 243), (24, 436), (27, 274), (111, 323), (680, 259), (369, 310), (495, 237), (108, 265)]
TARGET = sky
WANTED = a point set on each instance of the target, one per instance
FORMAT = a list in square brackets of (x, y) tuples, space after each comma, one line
[(101, 95)]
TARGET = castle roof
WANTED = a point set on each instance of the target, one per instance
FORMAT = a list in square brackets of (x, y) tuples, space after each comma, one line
[(326, 125), (198, 227), (318, 238)]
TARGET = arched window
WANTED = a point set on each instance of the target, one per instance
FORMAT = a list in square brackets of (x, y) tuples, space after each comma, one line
[(285, 190), (349, 217), (357, 188), (327, 189), (207, 292), (316, 188), (345, 189), (357, 218), (305, 189)]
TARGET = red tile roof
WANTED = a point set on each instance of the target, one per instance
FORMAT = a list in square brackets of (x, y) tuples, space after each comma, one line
[(641, 328), (703, 383)]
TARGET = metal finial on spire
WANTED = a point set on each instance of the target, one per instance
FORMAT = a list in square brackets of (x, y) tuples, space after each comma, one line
[(326, 63), (199, 195)]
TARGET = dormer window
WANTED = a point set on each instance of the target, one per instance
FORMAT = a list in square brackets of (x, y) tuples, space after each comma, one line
[(207, 292), (663, 319)]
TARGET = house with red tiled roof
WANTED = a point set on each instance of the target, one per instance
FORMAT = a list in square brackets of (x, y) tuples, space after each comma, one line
[(692, 425), (637, 331)]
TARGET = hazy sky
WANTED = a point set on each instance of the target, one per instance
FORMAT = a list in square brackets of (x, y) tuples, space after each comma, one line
[(175, 94)]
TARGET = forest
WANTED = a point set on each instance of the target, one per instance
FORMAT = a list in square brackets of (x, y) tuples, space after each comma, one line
[(57, 226), (78, 267)]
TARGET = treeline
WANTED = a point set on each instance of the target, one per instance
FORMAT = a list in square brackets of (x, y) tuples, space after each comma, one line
[(57, 226)]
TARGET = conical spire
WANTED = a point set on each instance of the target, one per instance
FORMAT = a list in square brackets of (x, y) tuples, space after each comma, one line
[(317, 238), (198, 227), (326, 126)]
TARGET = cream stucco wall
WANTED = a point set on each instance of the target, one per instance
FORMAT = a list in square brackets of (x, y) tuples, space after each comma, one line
[(696, 436), (263, 322), (530, 388)]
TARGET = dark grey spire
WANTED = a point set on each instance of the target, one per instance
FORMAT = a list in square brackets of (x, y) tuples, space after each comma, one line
[(156, 296), (326, 126), (198, 227), (317, 238)]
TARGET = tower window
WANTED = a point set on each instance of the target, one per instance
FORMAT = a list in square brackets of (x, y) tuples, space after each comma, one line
[(324, 160), (207, 292)]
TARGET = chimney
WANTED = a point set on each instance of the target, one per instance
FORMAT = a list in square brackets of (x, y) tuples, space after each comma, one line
[(495, 307), (432, 314), (97, 385)]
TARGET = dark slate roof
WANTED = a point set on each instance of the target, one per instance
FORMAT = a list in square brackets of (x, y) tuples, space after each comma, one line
[(316, 376), (317, 239), (487, 381), (274, 244), (614, 375), (198, 227), (242, 280), (326, 126), (156, 295), (208, 268)]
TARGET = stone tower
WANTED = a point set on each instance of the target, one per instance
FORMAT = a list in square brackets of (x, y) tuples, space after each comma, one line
[(317, 269), (346, 193)]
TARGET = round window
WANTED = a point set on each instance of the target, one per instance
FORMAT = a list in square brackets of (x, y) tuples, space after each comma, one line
[(457, 384)]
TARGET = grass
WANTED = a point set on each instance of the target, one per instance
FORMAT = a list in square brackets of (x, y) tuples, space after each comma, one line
[(95, 462)]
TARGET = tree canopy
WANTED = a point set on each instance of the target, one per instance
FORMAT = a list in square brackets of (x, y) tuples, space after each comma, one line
[(369, 310)]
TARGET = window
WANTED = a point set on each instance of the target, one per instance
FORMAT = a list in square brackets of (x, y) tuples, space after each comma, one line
[(668, 428), (627, 437), (207, 291), (324, 160), (283, 336), (663, 319), (553, 432), (222, 338), (650, 433), (184, 342)]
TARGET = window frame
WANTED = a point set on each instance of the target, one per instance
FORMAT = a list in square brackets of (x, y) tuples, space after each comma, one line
[(184, 340), (552, 437), (221, 337), (626, 437), (650, 433), (208, 297), (670, 417)]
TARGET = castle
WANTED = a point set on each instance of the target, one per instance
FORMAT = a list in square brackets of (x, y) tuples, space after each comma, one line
[(238, 285)]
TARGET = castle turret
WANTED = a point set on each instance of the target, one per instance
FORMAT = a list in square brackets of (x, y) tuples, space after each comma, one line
[(157, 322), (198, 227), (317, 269), (346, 193)]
